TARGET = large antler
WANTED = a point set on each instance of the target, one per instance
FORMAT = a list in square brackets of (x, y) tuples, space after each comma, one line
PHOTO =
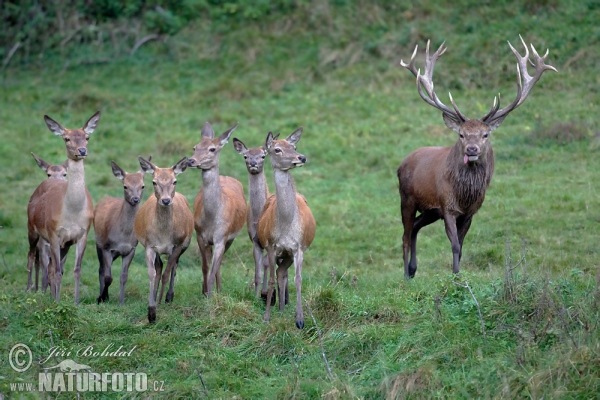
[(425, 81), (495, 116)]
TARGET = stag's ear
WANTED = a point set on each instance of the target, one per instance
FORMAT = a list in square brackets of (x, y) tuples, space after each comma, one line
[(117, 171), (495, 123), (451, 122)]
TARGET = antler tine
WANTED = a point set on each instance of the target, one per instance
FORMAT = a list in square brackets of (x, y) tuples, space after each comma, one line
[(411, 65), (494, 108), (425, 81), (461, 115), (524, 81)]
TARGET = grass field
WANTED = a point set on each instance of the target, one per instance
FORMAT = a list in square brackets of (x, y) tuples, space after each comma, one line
[(519, 321)]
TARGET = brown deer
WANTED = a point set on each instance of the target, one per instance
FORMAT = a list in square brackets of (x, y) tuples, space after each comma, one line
[(219, 207), (63, 214), (450, 182), (42, 256), (163, 225), (258, 192), (286, 227), (113, 226)]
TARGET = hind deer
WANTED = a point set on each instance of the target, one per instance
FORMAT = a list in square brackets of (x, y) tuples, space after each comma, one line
[(449, 183), (258, 192), (42, 257), (163, 225), (113, 226), (286, 227), (219, 207), (63, 214)]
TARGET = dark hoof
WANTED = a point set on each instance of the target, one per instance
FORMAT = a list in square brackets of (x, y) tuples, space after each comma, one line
[(151, 314), (300, 324), (169, 297), (103, 298)]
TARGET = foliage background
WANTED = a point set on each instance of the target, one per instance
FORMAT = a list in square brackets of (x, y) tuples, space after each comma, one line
[(519, 321)]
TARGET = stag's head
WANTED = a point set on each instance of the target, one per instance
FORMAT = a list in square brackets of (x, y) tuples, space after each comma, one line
[(473, 134)]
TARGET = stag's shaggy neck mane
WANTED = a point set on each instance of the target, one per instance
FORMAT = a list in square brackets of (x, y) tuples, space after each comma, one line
[(470, 180)]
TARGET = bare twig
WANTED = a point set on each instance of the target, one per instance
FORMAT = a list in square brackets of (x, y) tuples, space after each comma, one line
[(329, 373), (143, 40), (10, 54), (202, 381), (466, 285)]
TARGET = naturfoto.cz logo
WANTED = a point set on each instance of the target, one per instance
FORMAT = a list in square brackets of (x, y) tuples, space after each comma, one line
[(70, 376)]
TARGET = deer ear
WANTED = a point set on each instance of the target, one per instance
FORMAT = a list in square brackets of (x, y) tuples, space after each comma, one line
[(239, 146), (269, 140), (92, 123), (117, 171), (495, 123), (294, 137), (451, 122), (65, 164), (146, 165), (224, 138), (207, 131), (180, 166), (54, 126), (41, 163)]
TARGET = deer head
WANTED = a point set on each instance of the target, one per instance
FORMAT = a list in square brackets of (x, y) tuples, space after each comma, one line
[(283, 152), (206, 153), (255, 157), (164, 179), (76, 140)]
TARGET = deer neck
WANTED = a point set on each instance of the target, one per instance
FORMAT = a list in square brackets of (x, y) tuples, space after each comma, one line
[(211, 192), (287, 207), (127, 216), (164, 217), (258, 193), (75, 197)]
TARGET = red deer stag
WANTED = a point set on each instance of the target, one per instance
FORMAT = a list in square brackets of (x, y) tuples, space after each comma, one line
[(257, 193), (219, 207), (63, 214), (163, 225), (42, 256), (113, 225), (450, 182), (286, 227)]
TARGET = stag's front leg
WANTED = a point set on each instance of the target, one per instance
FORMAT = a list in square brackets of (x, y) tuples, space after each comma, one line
[(451, 231), (463, 225)]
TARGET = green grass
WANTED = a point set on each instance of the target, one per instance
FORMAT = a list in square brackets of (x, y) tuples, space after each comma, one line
[(530, 258)]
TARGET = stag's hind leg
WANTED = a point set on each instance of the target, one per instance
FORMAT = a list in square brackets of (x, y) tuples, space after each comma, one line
[(408, 220)]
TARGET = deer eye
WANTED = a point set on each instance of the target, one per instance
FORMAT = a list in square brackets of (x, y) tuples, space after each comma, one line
[(263, 157), (125, 187), (461, 135), (174, 183), (485, 135), (143, 187), (278, 150), (64, 174), (245, 157), (49, 175), (212, 149), (153, 183), (67, 139)]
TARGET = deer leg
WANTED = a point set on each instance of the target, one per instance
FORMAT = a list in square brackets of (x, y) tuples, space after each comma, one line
[(258, 267), (151, 264), (451, 232), (79, 252), (126, 262), (298, 258), (104, 273), (32, 257), (427, 217), (172, 267), (282, 280), (218, 251), (271, 288), (54, 269), (463, 225), (408, 220), (158, 266), (45, 260), (205, 255)]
